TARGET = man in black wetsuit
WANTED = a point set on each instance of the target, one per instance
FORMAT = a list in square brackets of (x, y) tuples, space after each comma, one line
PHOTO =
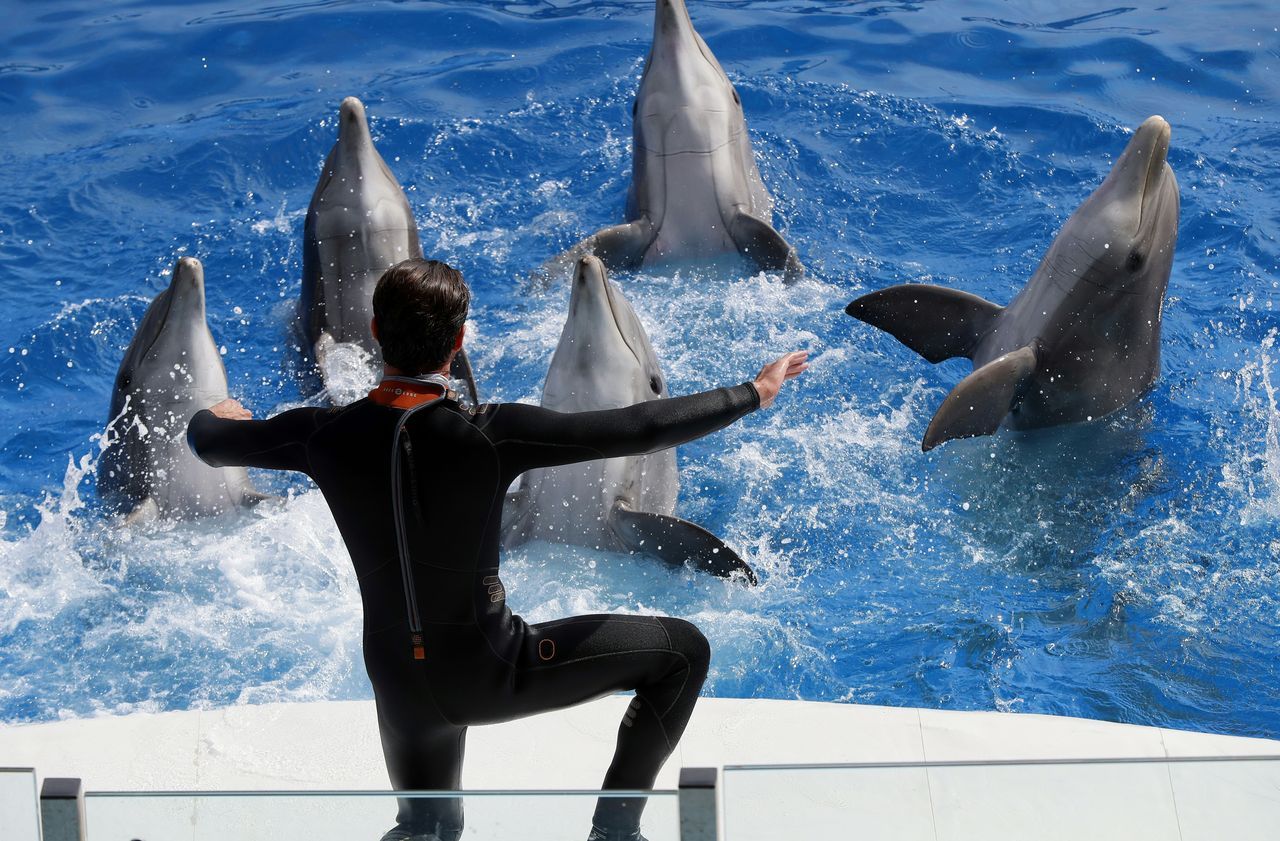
[(416, 485)]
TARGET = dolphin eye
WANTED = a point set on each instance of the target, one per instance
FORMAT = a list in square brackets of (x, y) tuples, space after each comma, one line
[(655, 385), (736, 101), (635, 106), (1135, 261)]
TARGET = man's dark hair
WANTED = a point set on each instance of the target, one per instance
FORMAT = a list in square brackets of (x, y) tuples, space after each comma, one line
[(420, 306)]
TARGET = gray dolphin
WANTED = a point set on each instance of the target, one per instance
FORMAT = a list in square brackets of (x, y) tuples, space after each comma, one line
[(358, 225), (695, 190), (604, 361), (1082, 338), (171, 370)]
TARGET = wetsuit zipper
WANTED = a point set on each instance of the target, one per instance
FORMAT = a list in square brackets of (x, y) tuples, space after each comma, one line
[(402, 533)]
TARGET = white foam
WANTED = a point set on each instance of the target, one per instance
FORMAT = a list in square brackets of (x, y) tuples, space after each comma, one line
[(348, 372)]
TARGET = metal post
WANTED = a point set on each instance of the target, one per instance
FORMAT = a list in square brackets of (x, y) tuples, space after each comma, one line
[(698, 805), (62, 809)]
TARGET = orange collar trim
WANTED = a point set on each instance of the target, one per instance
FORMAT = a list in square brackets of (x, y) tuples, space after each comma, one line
[(399, 393)]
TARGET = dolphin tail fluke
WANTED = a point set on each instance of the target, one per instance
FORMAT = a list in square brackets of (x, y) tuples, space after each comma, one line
[(980, 402), (758, 240), (936, 322), (675, 541), (620, 247)]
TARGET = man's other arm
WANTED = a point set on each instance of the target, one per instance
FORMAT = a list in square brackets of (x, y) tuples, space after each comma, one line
[(225, 435), (530, 436)]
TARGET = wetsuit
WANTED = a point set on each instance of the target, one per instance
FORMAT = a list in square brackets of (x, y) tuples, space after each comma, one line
[(473, 661)]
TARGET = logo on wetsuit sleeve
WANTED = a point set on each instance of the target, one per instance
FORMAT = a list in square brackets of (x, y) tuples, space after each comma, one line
[(496, 591)]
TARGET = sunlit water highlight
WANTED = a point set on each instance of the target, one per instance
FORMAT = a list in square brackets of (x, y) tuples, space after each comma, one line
[(1126, 570)]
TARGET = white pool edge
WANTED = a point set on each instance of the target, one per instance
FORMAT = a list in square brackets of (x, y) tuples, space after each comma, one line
[(334, 744)]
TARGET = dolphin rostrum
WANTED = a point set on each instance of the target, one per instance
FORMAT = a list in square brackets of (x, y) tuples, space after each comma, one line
[(1082, 338), (171, 370), (604, 361), (695, 190), (358, 225)]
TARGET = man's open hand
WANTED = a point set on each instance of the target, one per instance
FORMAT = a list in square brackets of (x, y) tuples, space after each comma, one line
[(230, 409), (771, 377)]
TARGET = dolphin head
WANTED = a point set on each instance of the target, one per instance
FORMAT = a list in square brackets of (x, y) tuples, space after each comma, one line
[(1122, 237), (173, 361), (171, 370), (604, 359), (685, 103)]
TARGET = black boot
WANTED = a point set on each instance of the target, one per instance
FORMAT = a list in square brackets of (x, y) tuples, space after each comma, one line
[(598, 834)]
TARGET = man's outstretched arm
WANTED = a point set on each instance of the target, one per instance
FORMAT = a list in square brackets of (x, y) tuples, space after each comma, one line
[(226, 435), (530, 436)]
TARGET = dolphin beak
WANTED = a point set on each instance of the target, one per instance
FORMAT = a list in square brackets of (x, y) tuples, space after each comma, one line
[(1138, 171), (592, 305), (353, 124), (186, 290), (671, 21), (590, 277), (1151, 141)]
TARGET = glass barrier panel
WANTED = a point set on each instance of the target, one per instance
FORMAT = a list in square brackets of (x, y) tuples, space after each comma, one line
[(19, 805), (356, 816), (1116, 800)]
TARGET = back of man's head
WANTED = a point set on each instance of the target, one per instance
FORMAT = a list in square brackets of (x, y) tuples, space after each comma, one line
[(420, 306)]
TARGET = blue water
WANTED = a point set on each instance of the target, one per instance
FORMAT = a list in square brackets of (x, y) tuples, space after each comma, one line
[(1126, 570)]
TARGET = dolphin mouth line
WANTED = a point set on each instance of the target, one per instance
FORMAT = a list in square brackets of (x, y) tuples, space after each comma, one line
[(164, 324), (1154, 176), (617, 325)]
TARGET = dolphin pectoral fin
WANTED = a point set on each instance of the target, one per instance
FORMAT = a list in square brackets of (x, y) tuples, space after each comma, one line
[(146, 511), (936, 322), (623, 246), (980, 402), (460, 369), (757, 240), (620, 247), (675, 541), (250, 497)]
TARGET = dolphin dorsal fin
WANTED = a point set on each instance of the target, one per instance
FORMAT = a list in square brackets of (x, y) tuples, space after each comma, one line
[(674, 541), (979, 403), (936, 322)]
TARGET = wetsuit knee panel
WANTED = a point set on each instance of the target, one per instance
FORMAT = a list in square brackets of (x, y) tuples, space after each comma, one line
[(688, 640)]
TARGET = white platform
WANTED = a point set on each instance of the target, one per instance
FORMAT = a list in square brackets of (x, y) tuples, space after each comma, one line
[(334, 745)]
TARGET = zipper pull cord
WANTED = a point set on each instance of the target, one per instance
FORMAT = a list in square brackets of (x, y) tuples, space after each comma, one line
[(417, 644)]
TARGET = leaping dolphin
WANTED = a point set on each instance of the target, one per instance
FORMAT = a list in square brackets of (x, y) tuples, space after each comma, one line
[(695, 190), (604, 361), (358, 225), (1082, 339), (171, 370)]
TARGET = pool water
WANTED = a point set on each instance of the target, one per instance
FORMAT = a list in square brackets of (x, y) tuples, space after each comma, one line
[(1127, 569)]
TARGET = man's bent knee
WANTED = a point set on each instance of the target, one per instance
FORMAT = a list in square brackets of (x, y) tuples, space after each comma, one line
[(689, 641)]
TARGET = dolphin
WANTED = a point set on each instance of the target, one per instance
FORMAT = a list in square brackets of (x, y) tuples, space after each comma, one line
[(1082, 339), (358, 225), (695, 191), (604, 361), (171, 370)]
